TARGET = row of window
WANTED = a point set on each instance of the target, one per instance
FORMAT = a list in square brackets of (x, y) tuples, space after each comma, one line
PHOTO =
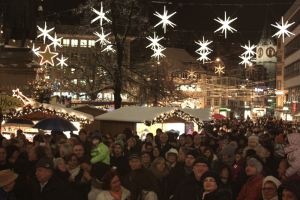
[(292, 46), (78, 43), (216, 102), (292, 70)]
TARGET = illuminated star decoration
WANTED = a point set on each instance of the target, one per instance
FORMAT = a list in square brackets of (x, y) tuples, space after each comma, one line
[(283, 29), (62, 61), (165, 19), (203, 50), (109, 48), (35, 50), (47, 56), (102, 37), (45, 33), (191, 74), (154, 41), (100, 15), (19, 95), (249, 49), (219, 69), (247, 56), (203, 57), (158, 53), (225, 25), (56, 42), (246, 60)]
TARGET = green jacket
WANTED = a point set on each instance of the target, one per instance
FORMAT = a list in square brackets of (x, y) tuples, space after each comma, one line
[(100, 154)]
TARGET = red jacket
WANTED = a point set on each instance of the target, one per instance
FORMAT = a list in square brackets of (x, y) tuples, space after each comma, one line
[(251, 190)]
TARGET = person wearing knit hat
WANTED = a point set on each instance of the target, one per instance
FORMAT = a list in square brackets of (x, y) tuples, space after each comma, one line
[(252, 188), (171, 157), (270, 187), (7, 182), (211, 187)]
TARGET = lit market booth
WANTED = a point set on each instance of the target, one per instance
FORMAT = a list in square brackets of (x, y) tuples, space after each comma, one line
[(148, 119), (34, 111)]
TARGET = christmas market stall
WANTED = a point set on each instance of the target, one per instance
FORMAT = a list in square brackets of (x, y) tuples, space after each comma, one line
[(148, 119), (32, 110)]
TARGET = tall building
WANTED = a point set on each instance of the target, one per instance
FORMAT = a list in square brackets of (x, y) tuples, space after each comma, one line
[(291, 62)]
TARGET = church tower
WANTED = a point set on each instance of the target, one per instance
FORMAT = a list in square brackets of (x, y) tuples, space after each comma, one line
[(266, 51)]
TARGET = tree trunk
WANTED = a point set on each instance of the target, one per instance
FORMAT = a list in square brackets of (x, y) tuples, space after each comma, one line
[(118, 82)]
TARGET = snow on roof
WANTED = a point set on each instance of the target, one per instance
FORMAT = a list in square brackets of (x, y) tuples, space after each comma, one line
[(60, 108), (142, 114)]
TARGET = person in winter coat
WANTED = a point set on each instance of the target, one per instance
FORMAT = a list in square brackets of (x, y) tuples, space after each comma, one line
[(211, 188), (270, 188), (140, 181), (252, 188), (293, 154), (112, 188), (191, 187), (100, 152), (47, 186), (118, 159), (253, 143), (7, 182)]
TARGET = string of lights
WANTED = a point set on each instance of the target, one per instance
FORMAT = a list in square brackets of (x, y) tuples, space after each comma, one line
[(27, 110), (175, 113)]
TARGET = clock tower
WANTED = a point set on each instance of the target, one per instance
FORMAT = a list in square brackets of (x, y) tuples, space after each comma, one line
[(266, 52)]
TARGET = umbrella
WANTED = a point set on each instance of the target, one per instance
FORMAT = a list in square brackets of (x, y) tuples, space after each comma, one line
[(57, 124), (20, 122), (218, 116)]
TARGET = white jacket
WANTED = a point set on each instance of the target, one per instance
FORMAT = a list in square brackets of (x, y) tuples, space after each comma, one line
[(105, 195)]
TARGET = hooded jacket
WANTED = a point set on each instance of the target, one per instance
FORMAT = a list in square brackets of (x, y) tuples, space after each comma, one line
[(293, 154)]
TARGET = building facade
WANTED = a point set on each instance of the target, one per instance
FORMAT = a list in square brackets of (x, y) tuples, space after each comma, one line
[(291, 61)]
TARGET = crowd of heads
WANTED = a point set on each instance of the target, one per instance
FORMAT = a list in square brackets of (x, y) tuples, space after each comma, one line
[(228, 159)]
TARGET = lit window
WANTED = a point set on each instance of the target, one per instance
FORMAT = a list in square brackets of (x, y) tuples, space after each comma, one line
[(72, 70), (74, 43), (83, 82), (83, 43), (66, 42), (74, 81), (91, 43)]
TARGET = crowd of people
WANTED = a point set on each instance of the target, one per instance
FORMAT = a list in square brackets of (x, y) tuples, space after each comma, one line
[(226, 160)]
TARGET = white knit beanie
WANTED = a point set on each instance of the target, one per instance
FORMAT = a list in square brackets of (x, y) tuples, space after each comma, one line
[(273, 180)]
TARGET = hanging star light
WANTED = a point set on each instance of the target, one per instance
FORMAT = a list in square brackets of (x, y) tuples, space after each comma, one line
[(219, 70), (283, 29), (47, 56), (56, 42), (192, 74), (225, 25), (45, 33), (35, 50), (203, 50), (249, 49), (246, 60), (158, 53), (109, 48), (154, 41), (62, 61), (203, 56), (165, 19), (203, 45), (102, 37), (100, 15)]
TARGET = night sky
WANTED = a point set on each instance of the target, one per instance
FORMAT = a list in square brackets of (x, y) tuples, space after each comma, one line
[(194, 19)]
